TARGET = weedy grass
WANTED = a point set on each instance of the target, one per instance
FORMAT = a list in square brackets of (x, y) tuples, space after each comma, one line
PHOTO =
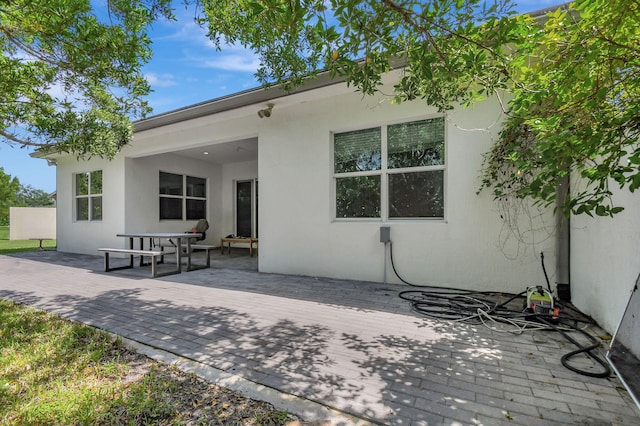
[(55, 371), (16, 246)]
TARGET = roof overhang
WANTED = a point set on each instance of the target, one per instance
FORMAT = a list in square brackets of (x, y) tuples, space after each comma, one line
[(236, 100)]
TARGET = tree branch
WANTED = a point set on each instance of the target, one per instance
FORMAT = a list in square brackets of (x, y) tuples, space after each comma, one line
[(14, 139)]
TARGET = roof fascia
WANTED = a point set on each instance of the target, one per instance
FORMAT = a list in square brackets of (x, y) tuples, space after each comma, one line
[(232, 101)]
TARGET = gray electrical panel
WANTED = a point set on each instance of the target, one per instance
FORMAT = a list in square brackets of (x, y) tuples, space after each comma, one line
[(385, 234)]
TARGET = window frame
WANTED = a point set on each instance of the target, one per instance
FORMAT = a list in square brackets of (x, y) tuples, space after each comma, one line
[(89, 196), (183, 196), (385, 171)]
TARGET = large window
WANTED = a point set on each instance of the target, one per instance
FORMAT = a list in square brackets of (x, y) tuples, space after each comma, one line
[(391, 172), (88, 195), (182, 197)]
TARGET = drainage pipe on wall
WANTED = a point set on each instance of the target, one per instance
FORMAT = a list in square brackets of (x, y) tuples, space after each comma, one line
[(563, 247)]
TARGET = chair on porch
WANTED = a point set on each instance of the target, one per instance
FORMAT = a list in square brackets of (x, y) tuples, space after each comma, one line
[(200, 228)]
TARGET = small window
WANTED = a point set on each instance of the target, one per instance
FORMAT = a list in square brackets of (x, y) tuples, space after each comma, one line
[(416, 144), (358, 196), (170, 184), (88, 196), (418, 194), (182, 197), (357, 151)]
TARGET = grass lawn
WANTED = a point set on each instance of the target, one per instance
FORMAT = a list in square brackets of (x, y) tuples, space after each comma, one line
[(16, 246), (55, 371)]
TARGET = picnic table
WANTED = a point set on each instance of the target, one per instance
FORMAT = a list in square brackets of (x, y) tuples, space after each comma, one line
[(178, 239)]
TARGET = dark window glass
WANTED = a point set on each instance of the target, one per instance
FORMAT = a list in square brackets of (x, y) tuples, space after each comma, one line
[(170, 184), (82, 208), (418, 194), (96, 182), (416, 144), (82, 184), (196, 187), (170, 208), (357, 151), (196, 209), (358, 196), (243, 209), (96, 208)]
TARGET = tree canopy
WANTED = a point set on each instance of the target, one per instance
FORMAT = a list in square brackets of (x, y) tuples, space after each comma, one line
[(71, 72), (28, 196), (576, 110), (71, 81), (572, 76), (9, 188), (14, 194)]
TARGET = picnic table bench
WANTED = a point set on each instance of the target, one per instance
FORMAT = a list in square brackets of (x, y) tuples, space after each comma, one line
[(131, 252)]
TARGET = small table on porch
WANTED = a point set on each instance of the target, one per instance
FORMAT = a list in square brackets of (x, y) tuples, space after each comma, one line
[(245, 240)]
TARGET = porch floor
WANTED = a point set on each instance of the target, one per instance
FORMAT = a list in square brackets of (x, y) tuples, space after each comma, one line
[(354, 347)]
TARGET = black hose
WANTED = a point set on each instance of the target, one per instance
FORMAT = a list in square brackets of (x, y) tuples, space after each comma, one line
[(449, 303), (546, 277), (581, 349)]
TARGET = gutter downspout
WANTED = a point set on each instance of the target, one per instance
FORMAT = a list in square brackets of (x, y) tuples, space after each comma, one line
[(563, 246)]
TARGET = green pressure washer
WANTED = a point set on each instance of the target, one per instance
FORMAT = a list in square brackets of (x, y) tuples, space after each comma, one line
[(540, 301)]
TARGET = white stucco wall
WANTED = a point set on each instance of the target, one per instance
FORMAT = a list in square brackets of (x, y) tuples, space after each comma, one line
[(299, 234), (605, 260), (86, 236), (298, 231), (32, 222)]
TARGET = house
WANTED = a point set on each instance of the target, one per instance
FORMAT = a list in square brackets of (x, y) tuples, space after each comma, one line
[(318, 172)]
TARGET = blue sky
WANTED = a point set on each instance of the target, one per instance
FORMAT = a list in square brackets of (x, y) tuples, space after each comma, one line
[(185, 69)]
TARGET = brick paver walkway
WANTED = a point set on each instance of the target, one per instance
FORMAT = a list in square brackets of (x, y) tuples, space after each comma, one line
[(352, 346)]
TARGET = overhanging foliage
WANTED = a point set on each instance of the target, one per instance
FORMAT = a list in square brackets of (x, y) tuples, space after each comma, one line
[(70, 72)]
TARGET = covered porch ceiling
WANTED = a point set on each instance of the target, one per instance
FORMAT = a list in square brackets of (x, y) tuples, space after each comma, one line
[(223, 153)]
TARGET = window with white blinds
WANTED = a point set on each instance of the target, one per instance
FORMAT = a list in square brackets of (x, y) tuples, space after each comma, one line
[(394, 171)]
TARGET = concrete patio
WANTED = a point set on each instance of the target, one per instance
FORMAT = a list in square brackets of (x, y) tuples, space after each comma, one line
[(354, 347)]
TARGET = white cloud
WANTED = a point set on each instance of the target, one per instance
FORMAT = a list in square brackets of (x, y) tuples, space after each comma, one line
[(160, 80), (243, 62), (200, 51), (186, 30)]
